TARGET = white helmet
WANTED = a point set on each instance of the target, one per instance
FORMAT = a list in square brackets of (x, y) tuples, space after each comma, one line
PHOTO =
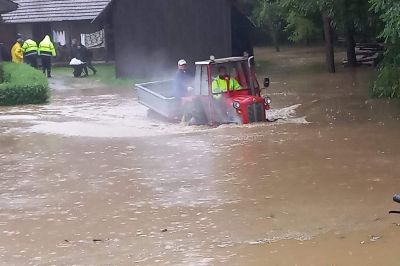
[(182, 62)]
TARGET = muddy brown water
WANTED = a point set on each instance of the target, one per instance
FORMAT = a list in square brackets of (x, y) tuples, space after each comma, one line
[(89, 179)]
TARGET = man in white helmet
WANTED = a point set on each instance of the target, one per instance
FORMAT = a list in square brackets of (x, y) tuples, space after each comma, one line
[(182, 80), (182, 89)]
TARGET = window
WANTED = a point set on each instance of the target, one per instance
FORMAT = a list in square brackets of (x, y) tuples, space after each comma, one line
[(201, 80)]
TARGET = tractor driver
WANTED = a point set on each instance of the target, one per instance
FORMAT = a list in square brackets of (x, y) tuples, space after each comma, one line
[(220, 84)]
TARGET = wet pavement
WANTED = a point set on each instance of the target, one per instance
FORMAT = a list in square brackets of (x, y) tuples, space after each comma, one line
[(89, 179)]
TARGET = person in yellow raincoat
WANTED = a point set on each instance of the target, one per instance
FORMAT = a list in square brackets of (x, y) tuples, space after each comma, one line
[(17, 54)]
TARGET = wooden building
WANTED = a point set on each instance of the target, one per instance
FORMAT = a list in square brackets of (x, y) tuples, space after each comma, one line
[(63, 20), (150, 36), (7, 6)]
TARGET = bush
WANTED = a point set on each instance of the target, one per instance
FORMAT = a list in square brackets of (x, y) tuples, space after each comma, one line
[(22, 84), (387, 83)]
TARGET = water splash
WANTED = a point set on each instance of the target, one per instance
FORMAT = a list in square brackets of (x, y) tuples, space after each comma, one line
[(286, 115)]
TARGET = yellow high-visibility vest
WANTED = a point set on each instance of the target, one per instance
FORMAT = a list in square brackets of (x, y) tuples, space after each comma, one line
[(46, 47), (29, 47), (221, 85)]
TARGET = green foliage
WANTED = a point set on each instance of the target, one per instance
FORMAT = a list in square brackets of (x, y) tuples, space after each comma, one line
[(307, 7), (22, 84), (268, 13), (387, 83), (389, 12), (295, 17), (304, 16), (301, 27)]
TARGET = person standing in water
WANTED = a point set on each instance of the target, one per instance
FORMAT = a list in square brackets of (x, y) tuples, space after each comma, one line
[(30, 50), (182, 80), (86, 56), (46, 52)]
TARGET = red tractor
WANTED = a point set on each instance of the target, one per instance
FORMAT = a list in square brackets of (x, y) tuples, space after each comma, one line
[(242, 105)]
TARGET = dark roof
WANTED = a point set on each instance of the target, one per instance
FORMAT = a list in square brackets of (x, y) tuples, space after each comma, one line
[(55, 10), (7, 6), (103, 12)]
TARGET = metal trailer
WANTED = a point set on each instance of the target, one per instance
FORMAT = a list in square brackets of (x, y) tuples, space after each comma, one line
[(158, 97)]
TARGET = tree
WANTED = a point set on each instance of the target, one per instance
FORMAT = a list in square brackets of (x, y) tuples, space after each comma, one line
[(347, 24), (348, 17), (352, 17), (269, 14), (387, 83), (302, 28), (326, 10)]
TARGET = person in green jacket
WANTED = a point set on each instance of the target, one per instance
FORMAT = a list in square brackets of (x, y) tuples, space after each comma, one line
[(223, 83), (30, 50), (46, 52)]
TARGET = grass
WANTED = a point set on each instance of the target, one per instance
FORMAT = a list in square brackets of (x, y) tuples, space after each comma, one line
[(22, 84), (105, 74)]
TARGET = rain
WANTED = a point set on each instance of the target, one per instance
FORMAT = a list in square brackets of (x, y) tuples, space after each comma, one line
[(93, 177)]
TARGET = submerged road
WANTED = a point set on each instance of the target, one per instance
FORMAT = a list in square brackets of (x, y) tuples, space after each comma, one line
[(90, 180)]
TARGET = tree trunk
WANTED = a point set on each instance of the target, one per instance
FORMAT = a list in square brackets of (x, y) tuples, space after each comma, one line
[(276, 42), (330, 54), (351, 47), (349, 34), (275, 38), (277, 47)]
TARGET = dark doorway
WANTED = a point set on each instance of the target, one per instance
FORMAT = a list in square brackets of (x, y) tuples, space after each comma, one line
[(40, 30), (242, 30)]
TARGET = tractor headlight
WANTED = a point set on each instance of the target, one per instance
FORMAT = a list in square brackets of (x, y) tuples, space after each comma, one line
[(236, 105), (268, 100)]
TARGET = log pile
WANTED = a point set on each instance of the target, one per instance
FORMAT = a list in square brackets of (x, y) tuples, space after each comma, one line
[(368, 54)]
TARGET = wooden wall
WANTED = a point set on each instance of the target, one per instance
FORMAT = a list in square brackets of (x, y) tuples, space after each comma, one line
[(152, 35)]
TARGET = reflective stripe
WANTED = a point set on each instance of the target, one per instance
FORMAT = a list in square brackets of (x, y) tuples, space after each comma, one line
[(45, 53), (30, 53), (29, 47), (44, 48)]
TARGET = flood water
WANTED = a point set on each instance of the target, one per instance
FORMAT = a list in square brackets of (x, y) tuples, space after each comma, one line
[(89, 179)]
